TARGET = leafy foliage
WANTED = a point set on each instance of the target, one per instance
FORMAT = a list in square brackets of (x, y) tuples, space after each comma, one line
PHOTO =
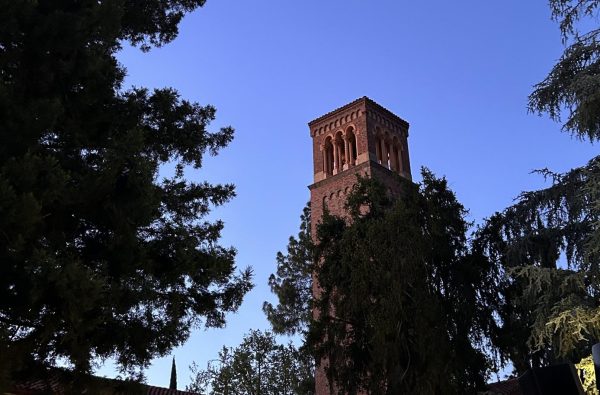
[(573, 85), (258, 366), (98, 257), (586, 366), (548, 242), (404, 305), (292, 283)]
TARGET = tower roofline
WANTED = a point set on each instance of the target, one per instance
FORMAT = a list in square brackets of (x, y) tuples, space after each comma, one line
[(364, 100)]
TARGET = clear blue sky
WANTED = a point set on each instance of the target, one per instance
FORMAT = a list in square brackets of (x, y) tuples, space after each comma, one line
[(458, 71)]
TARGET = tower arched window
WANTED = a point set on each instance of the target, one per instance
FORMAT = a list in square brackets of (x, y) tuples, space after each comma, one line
[(395, 159), (404, 156), (328, 156), (339, 154), (385, 151), (351, 144), (378, 145)]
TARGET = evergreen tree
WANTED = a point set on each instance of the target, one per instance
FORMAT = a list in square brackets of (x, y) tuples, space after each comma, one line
[(571, 87), (292, 283), (405, 305), (99, 258), (547, 245), (548, 242), (173, 380)]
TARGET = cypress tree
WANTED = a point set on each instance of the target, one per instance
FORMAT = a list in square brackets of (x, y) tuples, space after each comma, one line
[(173, 381)]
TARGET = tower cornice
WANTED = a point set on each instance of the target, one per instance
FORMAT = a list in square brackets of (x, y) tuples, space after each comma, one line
[(365, 102)]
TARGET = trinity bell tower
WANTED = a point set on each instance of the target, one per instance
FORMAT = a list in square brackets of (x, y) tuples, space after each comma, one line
[(363, 138)]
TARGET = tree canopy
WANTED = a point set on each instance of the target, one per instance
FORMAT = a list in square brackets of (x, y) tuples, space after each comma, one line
[(547, 244), (99, 256), (404, 304), (572, 85), (258, 366), (292, 283)]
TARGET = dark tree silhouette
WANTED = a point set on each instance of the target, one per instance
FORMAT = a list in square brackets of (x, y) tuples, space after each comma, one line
[(405, 307), (99, 256), (173, 380)]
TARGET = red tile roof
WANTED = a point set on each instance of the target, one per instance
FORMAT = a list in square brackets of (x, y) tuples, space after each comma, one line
[(165, 391), (56, 385), (506, 387)]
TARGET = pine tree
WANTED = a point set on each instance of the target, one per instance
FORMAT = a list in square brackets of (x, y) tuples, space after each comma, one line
[(99, 257)]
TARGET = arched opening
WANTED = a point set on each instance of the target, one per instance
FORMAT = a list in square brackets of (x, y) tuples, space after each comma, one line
[(378, 150), (404, 157), (385, 151), (395, 156), (328, 156), (339, 152), (351, 141)]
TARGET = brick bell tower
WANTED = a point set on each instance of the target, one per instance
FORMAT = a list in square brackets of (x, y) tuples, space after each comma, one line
[(363, 138)]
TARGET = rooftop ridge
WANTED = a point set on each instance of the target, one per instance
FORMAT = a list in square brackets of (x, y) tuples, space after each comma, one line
[(364, 99)]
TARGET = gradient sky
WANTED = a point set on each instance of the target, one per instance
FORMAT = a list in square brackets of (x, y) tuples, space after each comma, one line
[(458, 71)]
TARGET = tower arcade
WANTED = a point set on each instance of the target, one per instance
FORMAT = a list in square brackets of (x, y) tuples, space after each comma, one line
[(363, 138)]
